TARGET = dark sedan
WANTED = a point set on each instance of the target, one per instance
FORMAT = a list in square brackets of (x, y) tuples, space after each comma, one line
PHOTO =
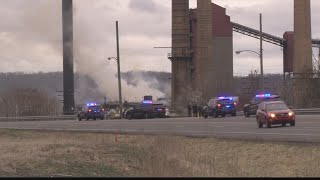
[(145, 113)]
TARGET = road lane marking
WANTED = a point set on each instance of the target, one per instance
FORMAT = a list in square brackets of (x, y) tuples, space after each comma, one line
[(107, 125), (217, 126), (180, 126), (255, 133), (162, 131)]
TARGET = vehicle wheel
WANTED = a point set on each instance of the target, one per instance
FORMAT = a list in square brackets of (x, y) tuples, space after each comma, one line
[(215, 115), (283, 124), (246, 114), (234, 114), (88, 118), (293, 123), (268, 124), (146, 116), (80, 119), (223, 115), (260, 125), (206, 116)]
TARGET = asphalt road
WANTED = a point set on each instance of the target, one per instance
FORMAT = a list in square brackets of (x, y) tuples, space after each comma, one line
[(307, 128)]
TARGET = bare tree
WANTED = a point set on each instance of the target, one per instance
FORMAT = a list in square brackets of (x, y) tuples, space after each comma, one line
[(7, 105), (28, 102)]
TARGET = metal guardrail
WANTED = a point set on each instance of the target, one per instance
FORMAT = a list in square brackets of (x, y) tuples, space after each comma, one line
[(37, 118), (314, 111), (240, 113), (306, 111)]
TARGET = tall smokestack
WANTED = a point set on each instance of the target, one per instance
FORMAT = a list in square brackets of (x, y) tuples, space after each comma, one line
[(181, 57), (302, 58), (302, 37), (206, 68), (68, 76)]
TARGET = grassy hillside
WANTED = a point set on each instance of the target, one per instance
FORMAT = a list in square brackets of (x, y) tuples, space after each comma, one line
[(106, 155)]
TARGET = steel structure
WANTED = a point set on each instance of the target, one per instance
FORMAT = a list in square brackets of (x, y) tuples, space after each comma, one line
[(266, 37), (256, 34), (316, 43)]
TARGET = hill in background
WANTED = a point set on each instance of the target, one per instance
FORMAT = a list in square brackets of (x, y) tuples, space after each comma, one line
[(86, 88)]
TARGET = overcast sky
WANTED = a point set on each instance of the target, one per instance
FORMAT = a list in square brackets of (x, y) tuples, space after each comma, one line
[(30, 33)]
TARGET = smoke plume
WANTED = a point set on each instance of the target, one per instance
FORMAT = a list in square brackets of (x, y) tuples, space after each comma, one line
[(44, 24)]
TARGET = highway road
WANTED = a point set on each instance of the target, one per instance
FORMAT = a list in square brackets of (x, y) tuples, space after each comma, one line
[(306, 130)]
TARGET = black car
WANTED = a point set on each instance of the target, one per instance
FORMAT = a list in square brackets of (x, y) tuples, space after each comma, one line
[(251, 109), (146, 112), (220, 107), (91, 111)]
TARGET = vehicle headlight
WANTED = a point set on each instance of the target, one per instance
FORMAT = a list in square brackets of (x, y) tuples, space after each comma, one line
[(272, 115), (291, 113)]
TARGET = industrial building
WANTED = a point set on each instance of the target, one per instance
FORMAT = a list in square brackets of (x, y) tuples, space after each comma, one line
[(202, 52)]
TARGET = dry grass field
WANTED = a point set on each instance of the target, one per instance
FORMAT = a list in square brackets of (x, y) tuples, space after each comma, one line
[(40, 153)]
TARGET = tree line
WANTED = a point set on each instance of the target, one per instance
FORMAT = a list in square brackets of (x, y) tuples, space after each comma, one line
[(35, 94), (28, 102)]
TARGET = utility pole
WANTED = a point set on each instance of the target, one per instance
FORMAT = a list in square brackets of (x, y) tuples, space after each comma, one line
[(119, 72), (261, 56), (319, 60)]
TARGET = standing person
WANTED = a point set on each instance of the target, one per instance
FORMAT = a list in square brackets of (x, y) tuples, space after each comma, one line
[(189, 110), (195, 110), (200, 109)]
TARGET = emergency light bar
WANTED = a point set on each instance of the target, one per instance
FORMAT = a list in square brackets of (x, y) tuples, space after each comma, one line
[(147, 102), (91, 104), (230, 98), (263, 95)]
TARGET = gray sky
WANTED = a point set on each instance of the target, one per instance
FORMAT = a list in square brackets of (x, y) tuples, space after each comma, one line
[(30, 33)]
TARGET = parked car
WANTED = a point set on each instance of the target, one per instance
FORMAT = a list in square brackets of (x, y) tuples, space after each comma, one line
[(91, 111), (252, 107), (220, 106)]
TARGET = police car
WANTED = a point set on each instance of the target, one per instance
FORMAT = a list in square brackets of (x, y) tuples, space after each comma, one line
[(221, 106), (252, 107), (91, 111)]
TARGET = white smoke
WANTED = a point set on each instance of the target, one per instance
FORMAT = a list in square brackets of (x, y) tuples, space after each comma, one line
[(42, 25), (103, 72), (92, 61)]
